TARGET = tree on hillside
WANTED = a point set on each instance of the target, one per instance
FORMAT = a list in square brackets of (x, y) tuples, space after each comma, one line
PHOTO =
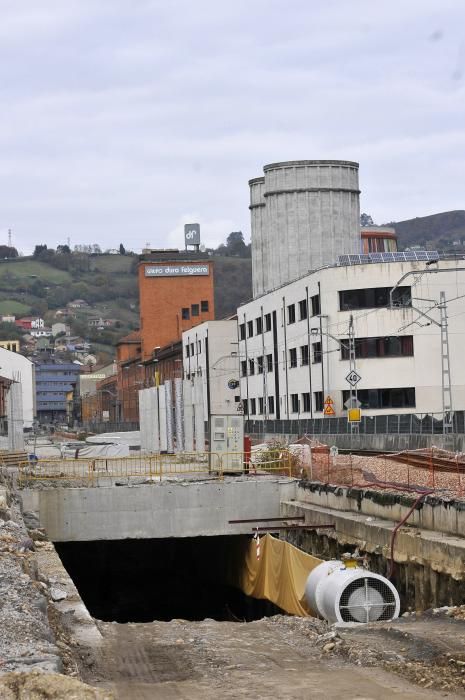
[(122, 249), (8, 252), (39, 249), (366, 220), (63, 249)]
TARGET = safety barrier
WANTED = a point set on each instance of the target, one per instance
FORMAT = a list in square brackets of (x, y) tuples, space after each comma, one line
[(155, 467), (430, 469)]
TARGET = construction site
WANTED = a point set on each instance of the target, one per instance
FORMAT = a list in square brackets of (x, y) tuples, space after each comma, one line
[(164, 576), (272, 503)]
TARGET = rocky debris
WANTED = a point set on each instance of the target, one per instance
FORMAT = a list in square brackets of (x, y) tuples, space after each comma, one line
[(46, 686), (57, 594)]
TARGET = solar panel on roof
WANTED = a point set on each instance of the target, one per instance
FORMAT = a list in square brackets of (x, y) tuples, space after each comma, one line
[(400, 256)]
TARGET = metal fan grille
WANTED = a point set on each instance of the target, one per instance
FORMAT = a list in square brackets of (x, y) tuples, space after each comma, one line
[(367, 600)]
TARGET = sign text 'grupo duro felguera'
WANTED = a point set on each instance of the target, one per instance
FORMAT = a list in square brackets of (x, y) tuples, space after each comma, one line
[(175, 270)]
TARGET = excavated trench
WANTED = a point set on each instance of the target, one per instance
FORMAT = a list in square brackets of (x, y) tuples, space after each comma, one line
[(160, 579)]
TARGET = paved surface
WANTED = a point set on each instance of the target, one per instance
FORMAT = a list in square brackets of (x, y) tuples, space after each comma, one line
[(272, 658)]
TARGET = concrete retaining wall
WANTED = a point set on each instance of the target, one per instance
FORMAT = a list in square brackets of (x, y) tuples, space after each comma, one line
[(183, 509)]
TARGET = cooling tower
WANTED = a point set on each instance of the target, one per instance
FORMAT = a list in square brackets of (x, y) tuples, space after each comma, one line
[(304, 214)]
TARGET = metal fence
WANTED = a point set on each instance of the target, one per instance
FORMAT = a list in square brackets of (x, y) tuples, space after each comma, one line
[(154, 468), (121, 427), (394, 424)]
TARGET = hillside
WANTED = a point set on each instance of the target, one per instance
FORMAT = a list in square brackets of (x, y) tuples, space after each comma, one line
[(438, 231), (108, 283)]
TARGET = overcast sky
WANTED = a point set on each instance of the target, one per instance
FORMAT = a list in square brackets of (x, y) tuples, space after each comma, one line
[(123, 119)]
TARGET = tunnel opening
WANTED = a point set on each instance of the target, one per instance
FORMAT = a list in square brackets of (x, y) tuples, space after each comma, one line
[(161, 579)]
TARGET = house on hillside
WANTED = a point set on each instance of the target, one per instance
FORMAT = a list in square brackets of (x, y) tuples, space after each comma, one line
[(59, 327), (41, 332), (29, 322), (8, 319), (77, 304), (101, 323)]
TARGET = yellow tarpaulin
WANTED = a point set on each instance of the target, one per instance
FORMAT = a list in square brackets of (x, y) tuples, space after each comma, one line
[(279, 575)]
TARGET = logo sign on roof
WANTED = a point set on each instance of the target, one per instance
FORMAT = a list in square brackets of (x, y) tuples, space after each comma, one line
[(181, 270), (192, 234)]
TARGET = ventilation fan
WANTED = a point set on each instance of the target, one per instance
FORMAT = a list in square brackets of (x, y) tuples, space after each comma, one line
[(344, 592)]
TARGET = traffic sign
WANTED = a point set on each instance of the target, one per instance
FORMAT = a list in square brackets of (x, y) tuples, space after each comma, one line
[(329, 401), (352, 402), (353, 378), (329, 410), (354, 415)]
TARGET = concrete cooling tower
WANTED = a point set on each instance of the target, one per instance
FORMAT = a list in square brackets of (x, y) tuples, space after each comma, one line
[(304, 214)]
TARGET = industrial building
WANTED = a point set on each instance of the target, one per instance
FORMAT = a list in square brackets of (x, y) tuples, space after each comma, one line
[(294, 341), (19, 369), (304, 214), (378, 239), (54, 382), (175, 292)]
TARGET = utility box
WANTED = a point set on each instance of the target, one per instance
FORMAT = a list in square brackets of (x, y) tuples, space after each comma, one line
[(227, 441)]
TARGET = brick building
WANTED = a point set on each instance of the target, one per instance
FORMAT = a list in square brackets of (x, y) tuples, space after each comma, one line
[(176, 292)]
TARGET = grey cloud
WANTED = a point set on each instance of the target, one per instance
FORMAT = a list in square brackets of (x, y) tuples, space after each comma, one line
[(121, 119)]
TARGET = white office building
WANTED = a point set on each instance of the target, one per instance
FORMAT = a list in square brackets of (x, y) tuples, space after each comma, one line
[(19, 369), (210, 351), (294, 349)]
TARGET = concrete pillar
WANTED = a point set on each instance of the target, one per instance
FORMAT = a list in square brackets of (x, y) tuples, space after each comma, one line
[(188, 416), (179, 414)]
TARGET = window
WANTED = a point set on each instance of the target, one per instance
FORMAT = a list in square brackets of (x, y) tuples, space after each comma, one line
[(187, 350), (373, 298), (199, 344), (291, 313), (244, 406), (293, 357), (251, 367), (318, 396), (242, 331), (267, 322), (195, 309), (185, 314), (270, 404), (249, 329), (316, 351), (316, 307), (192, 349), (389, 346), (269, 363), (243, 368), (306, 403), (260, 405), (403, 397), (253, 409), (303, 311), (260, 364), (304, 355), (258, 325), (294, 403), (204, 306)]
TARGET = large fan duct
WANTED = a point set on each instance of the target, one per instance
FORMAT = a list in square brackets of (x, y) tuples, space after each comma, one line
[(343, 591)]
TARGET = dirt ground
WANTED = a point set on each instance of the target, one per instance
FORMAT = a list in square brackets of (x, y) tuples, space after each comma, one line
[(279, 657)]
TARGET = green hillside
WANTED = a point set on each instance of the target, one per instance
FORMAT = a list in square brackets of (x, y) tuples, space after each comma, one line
[(438, 231)]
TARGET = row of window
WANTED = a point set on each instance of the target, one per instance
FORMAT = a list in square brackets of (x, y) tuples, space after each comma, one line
[(262, 324), (349, 300), (365, 348), (194, 310), (402, 397), (190, 349), (261, 365)]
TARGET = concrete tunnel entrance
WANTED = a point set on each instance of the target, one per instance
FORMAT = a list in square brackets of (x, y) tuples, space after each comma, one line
[(159, 579)]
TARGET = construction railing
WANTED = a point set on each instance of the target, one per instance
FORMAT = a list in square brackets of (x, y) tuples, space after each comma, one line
[(157, 467), (430, 469)]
